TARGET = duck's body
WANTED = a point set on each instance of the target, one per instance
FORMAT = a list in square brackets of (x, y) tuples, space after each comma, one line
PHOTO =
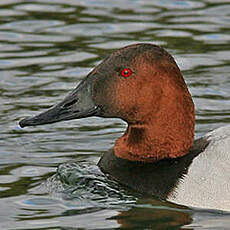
[(201, 178), (207, 181), (158, 179), (157, 155)]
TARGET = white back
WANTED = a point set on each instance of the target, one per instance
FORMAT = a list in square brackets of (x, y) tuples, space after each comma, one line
[(207, 184)]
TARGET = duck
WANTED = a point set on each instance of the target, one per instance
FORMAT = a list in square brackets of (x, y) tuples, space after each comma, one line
[(157, 155)]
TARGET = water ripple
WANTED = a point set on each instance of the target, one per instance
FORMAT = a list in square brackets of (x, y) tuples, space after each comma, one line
[(46, 48)]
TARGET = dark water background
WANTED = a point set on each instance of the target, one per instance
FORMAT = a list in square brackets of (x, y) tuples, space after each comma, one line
[(46, 47)]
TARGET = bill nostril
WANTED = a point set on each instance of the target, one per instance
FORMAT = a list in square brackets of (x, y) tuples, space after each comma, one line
[(68, 104)]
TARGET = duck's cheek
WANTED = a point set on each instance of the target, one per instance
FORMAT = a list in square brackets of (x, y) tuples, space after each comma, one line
[(105, 97), (116, 98), (111, 104), (125, 108)]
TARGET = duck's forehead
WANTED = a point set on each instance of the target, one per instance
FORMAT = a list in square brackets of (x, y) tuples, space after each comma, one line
[(125, 57), (120, 58), (114, 63), (128, 53)]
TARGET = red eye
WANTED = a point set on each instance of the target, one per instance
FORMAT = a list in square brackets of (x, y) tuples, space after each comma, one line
[(126, 72)]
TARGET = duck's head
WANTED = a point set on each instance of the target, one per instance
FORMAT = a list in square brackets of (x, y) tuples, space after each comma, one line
[(142, 85)]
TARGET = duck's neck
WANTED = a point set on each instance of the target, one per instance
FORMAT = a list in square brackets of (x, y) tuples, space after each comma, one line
[(167, 135)]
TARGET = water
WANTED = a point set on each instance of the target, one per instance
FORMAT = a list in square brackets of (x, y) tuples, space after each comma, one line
[(46, 48)]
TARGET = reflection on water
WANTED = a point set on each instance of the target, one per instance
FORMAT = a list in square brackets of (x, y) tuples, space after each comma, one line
[(46, 47)]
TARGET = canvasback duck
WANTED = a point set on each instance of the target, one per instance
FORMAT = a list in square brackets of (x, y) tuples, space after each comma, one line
[(157, 155)]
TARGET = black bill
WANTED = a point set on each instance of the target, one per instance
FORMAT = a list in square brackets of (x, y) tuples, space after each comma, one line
[(78, 104)]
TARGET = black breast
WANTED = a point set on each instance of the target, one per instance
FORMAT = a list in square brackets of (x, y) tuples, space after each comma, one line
[(151, 179)]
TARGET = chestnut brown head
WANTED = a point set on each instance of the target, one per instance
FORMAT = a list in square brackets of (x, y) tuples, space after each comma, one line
[(142, 85)]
